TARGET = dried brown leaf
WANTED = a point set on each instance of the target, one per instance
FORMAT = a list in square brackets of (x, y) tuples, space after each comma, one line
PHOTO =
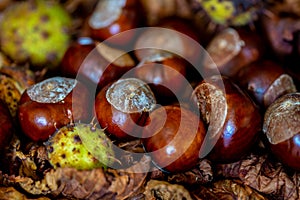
[(132, 151), (166, 191), (7, 180), (265, 175), (69, 182), (127, 182), (227, 190), (200, 174), (88, 184), (8, 193)]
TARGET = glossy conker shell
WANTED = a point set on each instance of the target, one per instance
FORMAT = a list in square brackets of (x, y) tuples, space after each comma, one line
[(123, 106), (232, 49), (181, 25), (95, 63), (281, 32), (75, 54), (40, 116), (111, 18), (234, 121), (282, 129), (164, 72), (173, 137), (157, 39), (265, 81)]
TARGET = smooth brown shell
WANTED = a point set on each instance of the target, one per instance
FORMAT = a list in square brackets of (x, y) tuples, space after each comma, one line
[(164, 72), (113, 17), (95, 63), (265, 81), (174, 137), (236, 125), (40, 120)]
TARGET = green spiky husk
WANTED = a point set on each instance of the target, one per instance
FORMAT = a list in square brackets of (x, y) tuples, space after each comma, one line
[(81, 146), (231, 12), (36, 32)]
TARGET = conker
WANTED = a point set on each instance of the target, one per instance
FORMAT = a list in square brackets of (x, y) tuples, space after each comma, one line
[(265, 81), (233, 119), (282, 128), (164, 72), (232, 49), (281, 32), (51, 104), (95, 63), (155, 39), (75, 55), (194, 57), (123, 106), (113, 17), (181, 25), (173, 137)]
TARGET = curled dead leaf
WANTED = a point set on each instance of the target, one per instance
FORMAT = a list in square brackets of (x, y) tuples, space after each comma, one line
[(227, 190), (89, 184), (265, 175), (127, 182), (201, 174), (165, 191), (8, 193)]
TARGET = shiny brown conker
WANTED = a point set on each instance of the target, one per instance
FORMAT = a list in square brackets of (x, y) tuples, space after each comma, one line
[(233, 119), (232, 49), (51, 104), (95, 63), (75, 55), (181, 25), (164, 72), (113, 17), (123, 106), (281, 32), (265, 81), (282, 128), (153, 40), (173, 137)]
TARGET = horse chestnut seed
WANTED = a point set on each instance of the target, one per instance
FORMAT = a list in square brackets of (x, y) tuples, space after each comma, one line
[(231, 50), (123, 106), (156, 39), (265, 81), (233, 119), (174, 137), (97, 64), (51, 104), (75, 55), (282, 128), (113, 17), (165, 73)]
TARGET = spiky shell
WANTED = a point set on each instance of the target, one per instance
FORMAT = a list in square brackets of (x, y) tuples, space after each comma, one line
[(10, 93), (231, 12), (81, 146), (36, 32), (13, 82)]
